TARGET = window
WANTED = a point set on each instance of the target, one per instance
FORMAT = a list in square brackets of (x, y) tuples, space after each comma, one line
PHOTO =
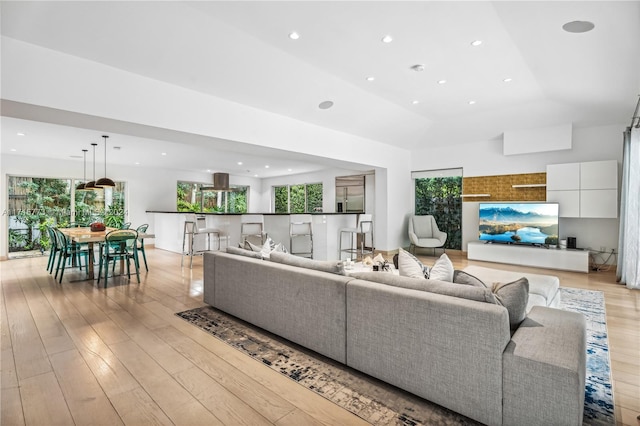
[(304, 198), (192, 198), (438, 193), (35, 203)]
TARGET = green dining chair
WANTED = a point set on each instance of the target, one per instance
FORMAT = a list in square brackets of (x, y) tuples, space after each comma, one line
[(69, 252), (120, 244), (141, 230)]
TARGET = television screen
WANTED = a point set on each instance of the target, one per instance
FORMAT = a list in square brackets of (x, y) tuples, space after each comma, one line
[(519, 223)]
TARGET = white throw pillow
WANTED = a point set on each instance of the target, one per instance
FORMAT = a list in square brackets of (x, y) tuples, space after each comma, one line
[(410, 266), (442, 270)]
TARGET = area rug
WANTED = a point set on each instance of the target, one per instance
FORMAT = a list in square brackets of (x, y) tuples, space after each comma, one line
[(381, 404)]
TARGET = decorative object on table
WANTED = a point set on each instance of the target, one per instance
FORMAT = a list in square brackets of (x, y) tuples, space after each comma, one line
[(105, 181), (367, 261), (98, 227), (380, 403), (348, 264)]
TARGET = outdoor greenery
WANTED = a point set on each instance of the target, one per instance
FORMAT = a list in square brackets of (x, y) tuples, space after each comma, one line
[(35, 203), (298, 198), (440, 197), (191, 198)]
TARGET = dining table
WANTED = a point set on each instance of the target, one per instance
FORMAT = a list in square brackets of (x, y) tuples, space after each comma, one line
[(82, 235)]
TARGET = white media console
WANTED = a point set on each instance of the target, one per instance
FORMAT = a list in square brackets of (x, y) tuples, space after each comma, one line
[(567, 260)]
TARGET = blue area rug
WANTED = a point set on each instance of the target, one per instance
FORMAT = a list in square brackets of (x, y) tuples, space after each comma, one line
[(598, 401), (381, 404)]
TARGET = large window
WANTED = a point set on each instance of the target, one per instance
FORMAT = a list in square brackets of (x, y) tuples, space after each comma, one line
[(304, 198), (193, 198), (438, 194), (35, 203)]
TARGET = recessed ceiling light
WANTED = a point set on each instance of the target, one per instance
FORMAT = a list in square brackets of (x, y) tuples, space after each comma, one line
[(255, 175), (370, 78), (387, 39), (164, 153), (442, 81), (239, 163), (266, 167), (325, 105), (508, 80), (472, 102), (294, 35), (415, 102), (13, 150), (137, 163), (578, 26), (20, 134), (476, 43), (208, 170), (289, 170), (418, 67)]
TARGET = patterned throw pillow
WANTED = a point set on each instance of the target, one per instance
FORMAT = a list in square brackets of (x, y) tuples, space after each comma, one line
[(442, 270), (410, 266)]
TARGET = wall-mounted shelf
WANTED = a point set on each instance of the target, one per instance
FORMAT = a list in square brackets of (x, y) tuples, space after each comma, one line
[(475, 195), (530, 185)]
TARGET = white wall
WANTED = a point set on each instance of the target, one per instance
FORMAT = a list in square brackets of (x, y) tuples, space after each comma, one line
[(485, 158)]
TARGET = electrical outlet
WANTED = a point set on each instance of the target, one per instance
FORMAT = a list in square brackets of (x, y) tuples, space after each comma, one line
[(603, 249)]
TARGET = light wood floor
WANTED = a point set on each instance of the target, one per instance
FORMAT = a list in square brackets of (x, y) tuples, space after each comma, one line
[(75, 354)]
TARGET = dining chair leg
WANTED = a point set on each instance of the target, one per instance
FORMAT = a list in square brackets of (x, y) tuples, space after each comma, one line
[(144, 256)]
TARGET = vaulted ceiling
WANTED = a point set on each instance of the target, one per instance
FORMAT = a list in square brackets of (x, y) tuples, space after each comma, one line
[(527, 72)]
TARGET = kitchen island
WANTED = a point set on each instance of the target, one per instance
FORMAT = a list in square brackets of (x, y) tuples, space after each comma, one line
[(168, 228)]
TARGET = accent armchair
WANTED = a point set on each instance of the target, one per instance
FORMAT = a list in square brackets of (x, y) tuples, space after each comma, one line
[(424, 233)]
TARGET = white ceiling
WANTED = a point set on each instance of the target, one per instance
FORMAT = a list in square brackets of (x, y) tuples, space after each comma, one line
[(241, 51)]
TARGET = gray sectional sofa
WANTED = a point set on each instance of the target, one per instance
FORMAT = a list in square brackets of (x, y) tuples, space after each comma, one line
[(447, 345)]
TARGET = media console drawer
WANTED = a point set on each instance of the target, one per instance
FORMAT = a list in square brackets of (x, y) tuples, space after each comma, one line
[(566, 260)]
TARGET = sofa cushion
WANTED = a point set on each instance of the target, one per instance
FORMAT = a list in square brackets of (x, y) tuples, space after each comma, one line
[(433, 286), (442, 270), (332, 266), (513, 296), (410, 266), (243, 252), (462, 277)]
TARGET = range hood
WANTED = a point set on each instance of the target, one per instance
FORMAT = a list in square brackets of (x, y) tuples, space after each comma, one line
[(220, 183)]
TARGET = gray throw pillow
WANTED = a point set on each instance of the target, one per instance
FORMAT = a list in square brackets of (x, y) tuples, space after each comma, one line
[(513, 296), (331, 266), (243, 252), (461, 277)]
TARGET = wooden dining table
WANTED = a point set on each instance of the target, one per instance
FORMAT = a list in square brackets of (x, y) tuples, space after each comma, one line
[(83, 235)]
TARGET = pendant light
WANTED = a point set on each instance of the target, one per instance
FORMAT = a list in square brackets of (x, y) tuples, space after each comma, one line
[(80, 186), (105, 181), (90, 186)]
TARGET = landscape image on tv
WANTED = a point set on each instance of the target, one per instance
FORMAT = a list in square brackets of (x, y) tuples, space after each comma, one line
[(519, 223)]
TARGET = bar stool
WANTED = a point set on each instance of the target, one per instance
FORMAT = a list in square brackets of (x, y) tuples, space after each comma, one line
[(252, 226), (300, 228), (362, 229), (194, 226)]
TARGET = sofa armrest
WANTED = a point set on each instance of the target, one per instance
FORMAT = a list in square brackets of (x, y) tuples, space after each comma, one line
[(544, 369)]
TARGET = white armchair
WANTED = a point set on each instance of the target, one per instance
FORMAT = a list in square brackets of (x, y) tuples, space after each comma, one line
[(424, 232)]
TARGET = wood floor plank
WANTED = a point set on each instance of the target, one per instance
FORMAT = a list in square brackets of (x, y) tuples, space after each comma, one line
[(262, 399), (230, 409), (11, 412), (136, 407), (30, 355), (179, 405), (84, 396), (43, 401)]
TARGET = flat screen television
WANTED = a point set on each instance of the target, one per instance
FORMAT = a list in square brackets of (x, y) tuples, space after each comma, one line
[(519, 223)]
